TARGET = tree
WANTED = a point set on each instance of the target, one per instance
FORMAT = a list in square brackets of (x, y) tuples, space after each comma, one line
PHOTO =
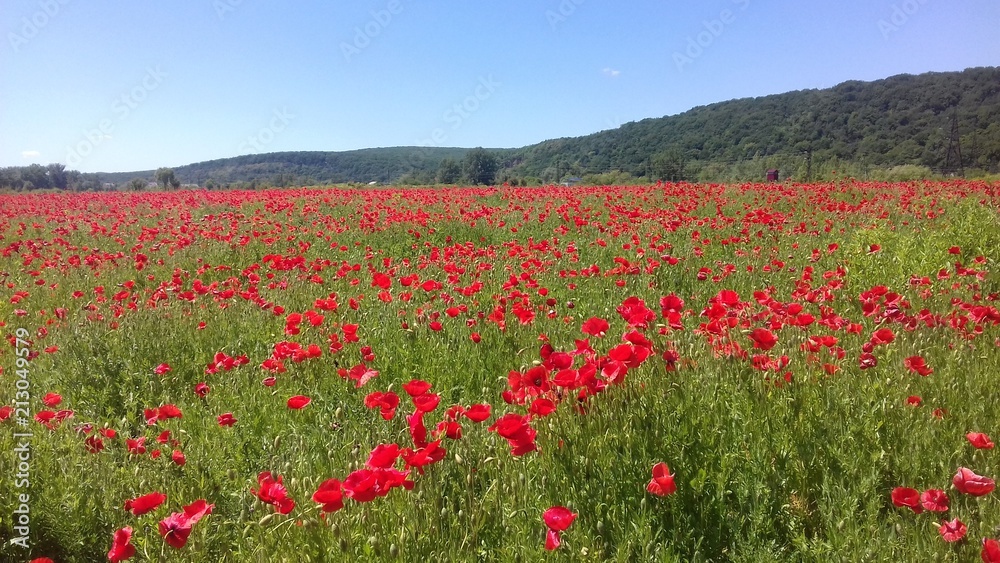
[(136, 184), (57, 175), (165, 177), (481, 166), (449, 171), (669, 165), (10, 178), (36, 175)]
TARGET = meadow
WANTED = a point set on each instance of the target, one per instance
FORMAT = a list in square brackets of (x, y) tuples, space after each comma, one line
[(676, 372)]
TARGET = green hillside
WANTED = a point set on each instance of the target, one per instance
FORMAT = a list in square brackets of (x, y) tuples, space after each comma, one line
[(902, 120)]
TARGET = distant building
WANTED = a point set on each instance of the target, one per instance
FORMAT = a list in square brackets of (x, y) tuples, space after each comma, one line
[(772, 175), (572, 181)]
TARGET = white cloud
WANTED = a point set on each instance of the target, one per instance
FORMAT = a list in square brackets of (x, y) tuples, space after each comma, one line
[(26, 155), (608, 71)]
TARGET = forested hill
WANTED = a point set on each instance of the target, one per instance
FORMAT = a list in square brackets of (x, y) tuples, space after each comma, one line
[(310, 167), (900, 120), (855, 127)]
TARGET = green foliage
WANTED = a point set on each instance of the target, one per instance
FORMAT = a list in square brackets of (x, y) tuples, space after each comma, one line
[(480, 166), (899, 120), (166, 179), (136, 184), (449, 171)]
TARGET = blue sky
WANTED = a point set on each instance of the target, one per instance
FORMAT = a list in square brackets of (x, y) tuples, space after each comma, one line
[(124, 85)]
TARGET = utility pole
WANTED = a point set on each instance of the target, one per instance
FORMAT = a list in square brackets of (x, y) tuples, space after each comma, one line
[(975, 151), (955, 147)]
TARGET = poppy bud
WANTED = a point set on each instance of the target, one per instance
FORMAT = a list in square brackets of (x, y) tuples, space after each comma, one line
[(393, 551), (277, 441), (266, 519)]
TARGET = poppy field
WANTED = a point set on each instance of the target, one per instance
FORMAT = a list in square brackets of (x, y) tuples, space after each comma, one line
[(676, 372)]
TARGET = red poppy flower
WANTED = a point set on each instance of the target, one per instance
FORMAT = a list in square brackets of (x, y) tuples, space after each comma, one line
[(426, 402), (542, 407), (907, 497), (176, 528), (979, 440), (52, 399), (5, 412), (953, 531), (94, 444), (917, 364), (478, 413), (178, 458), (161, 369), (967, 482), (595, 326), (121, 546), (385, 402), (914, 400), (226, 419), (867, 360), (416, 387), (360, 485), (330, 495), (431, 453), (273, 492), (201, 389), (298, 402), (991, 551), (662, 483), (475, 337), (934, 500), (136, 446), (383, 456), (518, 433), (763, 339), (883, 336), (146, 503), (557, 519)]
